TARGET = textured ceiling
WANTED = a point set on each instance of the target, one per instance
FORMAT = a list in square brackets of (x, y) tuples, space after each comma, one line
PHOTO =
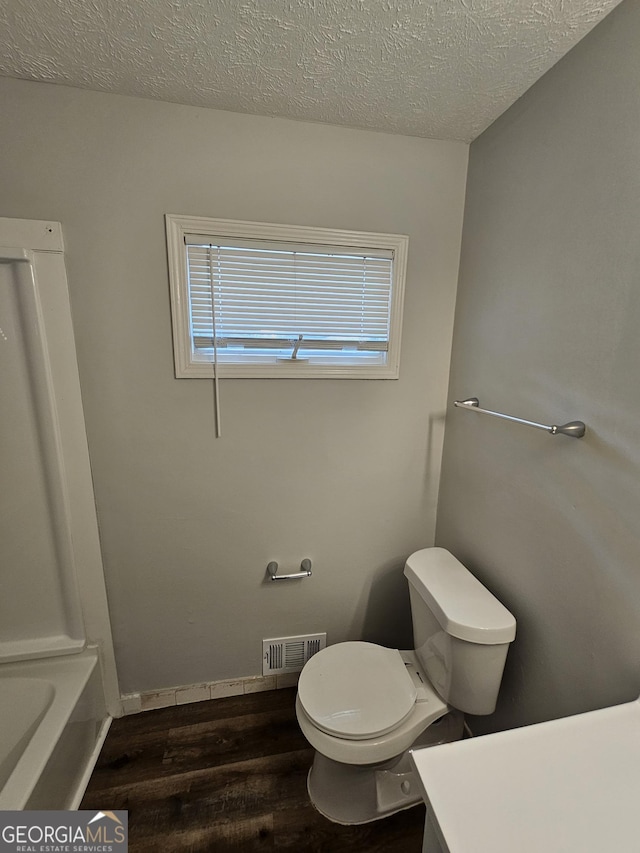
[(435, 68)]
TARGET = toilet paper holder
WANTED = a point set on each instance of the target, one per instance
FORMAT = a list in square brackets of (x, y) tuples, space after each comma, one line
[(305, 565)]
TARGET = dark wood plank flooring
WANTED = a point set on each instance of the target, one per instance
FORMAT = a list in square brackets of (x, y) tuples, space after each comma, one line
[(227, 775)]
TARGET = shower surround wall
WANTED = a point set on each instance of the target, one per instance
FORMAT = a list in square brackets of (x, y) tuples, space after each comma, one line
[(58, 683), (342, 472), (40, 610), (53, 598), (546, 328)]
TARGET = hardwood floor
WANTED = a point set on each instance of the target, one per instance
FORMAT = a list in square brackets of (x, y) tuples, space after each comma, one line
[(227, 775)]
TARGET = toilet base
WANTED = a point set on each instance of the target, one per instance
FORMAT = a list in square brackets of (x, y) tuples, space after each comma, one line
[(353, 794)]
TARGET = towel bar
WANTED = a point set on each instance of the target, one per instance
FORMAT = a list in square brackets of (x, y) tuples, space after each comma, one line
[(574, 429)]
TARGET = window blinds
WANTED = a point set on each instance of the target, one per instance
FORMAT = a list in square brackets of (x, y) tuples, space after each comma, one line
[(262, 300)]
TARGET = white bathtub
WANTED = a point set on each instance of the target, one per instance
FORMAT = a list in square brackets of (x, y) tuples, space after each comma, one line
[(52, 725)]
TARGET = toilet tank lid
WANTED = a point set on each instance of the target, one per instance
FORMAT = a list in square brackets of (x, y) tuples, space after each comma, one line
[(461, 604)]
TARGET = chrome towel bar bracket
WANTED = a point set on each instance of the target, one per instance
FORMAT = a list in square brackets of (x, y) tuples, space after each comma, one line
[(305, 565), (574, 429)]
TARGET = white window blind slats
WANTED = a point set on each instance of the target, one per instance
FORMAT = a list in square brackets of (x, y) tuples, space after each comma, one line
[(309, 290), (374, 295), (266, 297), (339, 301), (292, 268)]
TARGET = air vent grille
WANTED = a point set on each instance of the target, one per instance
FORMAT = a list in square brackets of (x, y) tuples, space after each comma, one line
[(289, 654)]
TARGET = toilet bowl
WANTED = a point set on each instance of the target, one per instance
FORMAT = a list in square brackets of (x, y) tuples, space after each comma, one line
[(360, 703), (363, 706)]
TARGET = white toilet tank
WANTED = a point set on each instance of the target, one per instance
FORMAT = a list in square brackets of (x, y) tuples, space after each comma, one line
[(461, 631)]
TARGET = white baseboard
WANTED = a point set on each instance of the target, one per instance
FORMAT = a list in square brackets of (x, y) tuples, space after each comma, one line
[(133, 703)]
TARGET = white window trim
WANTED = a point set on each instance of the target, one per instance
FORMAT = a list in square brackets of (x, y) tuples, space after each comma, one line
[(178, 227)]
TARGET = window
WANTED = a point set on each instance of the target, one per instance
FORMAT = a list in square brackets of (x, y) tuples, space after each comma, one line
[(280, 301)]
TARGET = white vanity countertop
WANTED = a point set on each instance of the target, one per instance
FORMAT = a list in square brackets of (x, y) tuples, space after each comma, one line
[(566, 786)]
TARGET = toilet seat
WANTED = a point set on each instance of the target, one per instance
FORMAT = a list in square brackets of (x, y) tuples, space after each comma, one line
[(356, 690), (428, 708)]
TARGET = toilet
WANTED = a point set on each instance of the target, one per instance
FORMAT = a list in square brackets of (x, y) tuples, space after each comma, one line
[(363, 707)]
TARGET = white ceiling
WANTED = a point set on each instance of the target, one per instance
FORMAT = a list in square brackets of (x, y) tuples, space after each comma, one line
[(443, 69)]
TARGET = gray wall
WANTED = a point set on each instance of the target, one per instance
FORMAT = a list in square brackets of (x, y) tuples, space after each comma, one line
[(547, 328), (344, 472)]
